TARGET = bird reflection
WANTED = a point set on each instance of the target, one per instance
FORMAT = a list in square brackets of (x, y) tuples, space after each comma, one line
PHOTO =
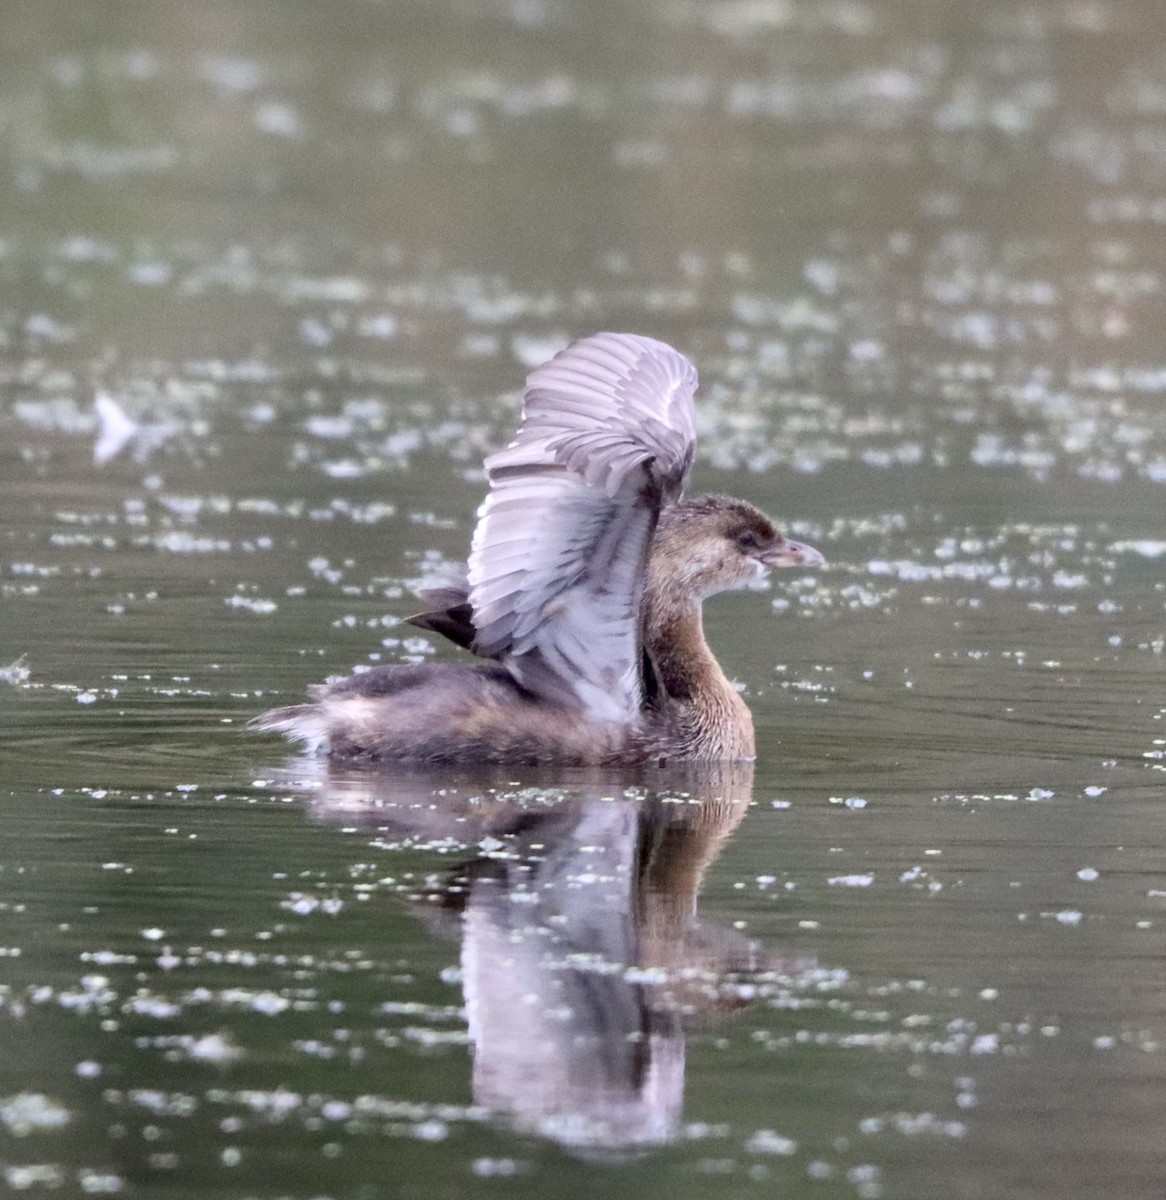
[(582, 956)]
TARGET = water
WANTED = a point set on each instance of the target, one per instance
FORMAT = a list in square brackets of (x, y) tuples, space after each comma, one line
[(917, 257)]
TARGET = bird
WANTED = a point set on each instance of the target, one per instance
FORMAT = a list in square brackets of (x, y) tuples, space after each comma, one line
[(582, 596)]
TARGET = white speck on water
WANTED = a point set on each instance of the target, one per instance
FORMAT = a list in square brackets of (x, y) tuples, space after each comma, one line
[(479, 345), (213, 1047), (255, 604), (86, 697), (304, 905), (1038, 793), (231, 74), (153, 934), (431, 1131), (488, 1167), (1088, 874), (766, 1141), (314, 332), (1094, 790), (150, 273), (380, 326), (344, 468), (268, 1003), (534, 351), (95, 1183), (179, 541), (868, 350), (1146, 547), (16, 673), (823, 274), (1069, 581), (1068, 916), (79, 248), (28, 1112), (856, 881), (281, 120), (47, 328)]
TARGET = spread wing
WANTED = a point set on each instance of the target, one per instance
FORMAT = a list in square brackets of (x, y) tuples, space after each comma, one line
[(560, 550)]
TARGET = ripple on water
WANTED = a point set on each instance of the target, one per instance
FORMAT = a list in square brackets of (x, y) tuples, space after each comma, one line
[(945, 369)]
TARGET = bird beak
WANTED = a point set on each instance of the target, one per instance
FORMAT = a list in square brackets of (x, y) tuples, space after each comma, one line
[(789, 553)]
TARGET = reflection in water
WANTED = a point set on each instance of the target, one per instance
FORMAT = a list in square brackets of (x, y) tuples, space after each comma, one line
[(919, 253), (582, 955)]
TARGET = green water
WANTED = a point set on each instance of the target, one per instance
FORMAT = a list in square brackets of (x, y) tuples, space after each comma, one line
[(916, 253)]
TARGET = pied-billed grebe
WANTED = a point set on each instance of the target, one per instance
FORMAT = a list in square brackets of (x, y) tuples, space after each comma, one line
[(585, 584)]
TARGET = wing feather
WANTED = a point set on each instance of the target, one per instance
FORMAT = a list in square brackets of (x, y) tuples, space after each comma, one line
[(560, 549)]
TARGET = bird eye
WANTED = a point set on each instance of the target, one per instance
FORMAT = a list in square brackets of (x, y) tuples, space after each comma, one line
[(748, 539)]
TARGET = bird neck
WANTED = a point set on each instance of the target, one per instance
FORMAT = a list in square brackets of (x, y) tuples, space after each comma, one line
[(713, 714)]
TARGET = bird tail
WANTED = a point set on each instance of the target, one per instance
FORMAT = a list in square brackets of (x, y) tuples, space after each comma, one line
[(302, 722)]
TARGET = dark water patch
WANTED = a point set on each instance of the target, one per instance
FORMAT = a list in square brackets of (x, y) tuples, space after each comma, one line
[(307, 257)]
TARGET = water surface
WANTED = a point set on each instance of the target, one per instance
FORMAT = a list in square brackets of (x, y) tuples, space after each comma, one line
[(306, 257)]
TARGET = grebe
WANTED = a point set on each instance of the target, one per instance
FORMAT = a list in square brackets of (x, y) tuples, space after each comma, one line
[(584, 588)]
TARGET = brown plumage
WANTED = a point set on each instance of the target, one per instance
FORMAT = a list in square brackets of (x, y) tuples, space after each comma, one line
[(585, 586)]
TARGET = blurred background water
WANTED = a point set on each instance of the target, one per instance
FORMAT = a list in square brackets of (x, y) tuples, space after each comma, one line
[(271, 277)]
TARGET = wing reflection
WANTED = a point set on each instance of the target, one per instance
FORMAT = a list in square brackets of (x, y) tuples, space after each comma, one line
[(583, 958)]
